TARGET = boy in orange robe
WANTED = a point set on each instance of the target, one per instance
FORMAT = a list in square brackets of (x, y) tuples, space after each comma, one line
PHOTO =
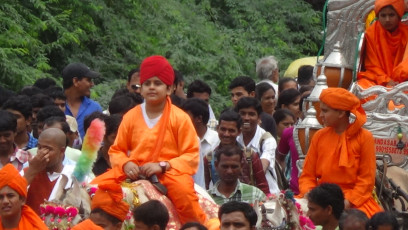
[(342, 153), (14, 214), (157, 138), (386, 55)]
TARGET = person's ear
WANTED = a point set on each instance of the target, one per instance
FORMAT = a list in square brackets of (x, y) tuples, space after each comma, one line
[(75, 81), (329, 210), (170, 90), (155, 227), (252, 94)]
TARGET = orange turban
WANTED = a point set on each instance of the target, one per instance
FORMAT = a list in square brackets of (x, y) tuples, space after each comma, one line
[(109, 197), (342, 99), (398, 6), (156, 66), (9, 176)]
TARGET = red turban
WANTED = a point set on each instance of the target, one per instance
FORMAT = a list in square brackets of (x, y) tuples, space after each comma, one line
[(398, 6), (109, 198), (9, 176), (156, 66)]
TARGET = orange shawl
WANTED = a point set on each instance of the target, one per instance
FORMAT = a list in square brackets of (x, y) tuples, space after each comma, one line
[(386, 54), (87, 225)]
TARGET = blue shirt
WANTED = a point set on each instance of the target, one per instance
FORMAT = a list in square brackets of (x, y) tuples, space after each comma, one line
[(32, 142), (87, 107)]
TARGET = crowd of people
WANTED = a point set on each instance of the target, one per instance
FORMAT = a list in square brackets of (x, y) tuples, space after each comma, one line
[(159, 129)]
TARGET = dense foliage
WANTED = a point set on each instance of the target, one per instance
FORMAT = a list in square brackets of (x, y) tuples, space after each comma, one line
[(213, 40)]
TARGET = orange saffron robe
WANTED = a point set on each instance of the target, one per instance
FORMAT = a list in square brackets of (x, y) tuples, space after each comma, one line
[(179, 146), (357, 181), (29, 220), (86, 225), (386, 56)]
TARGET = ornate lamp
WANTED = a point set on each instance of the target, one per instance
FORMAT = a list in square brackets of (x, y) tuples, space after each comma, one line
[(313, 98), (303, 132), (334, 68)]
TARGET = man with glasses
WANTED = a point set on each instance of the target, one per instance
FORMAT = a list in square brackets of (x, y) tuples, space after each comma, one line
[(133, 81)]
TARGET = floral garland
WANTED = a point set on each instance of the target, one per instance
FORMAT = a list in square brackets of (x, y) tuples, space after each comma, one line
[(58, 217)]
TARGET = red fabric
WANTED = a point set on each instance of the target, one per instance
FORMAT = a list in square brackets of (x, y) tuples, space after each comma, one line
[(40, 190), (87, 225), (156, 66), (398, 6), (9, 176), (108, 196)]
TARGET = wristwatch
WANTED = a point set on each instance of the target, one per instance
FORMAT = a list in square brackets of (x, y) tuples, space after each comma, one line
[(163, 166)]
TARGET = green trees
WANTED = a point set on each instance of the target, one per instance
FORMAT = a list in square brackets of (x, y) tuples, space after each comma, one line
[(213, 40)]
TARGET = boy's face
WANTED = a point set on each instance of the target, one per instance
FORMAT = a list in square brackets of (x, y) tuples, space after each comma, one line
[(234, 221), (6, 141), (101, 221), (237, 93), (10, 203), (22, 123), (228, 132), (329, 116), (84, 85), (60, 103), (155, 91), (318, 214), (250, 119), (389, 18)]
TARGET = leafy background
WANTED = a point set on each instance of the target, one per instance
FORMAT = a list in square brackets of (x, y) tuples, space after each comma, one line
[(212, 40)]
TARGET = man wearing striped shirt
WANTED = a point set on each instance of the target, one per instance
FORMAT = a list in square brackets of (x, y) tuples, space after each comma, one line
[(229, 188)]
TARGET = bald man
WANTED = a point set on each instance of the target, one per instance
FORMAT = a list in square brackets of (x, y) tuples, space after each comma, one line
[(46, 169)]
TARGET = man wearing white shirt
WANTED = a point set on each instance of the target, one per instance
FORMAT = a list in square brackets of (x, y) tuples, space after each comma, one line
[(199, 114), (46, 169), (253, 136)]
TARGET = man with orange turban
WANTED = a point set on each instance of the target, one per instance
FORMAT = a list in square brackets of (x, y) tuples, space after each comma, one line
[(343, 152), (108, 209), (14, 214), (157, 138), (386, 57)]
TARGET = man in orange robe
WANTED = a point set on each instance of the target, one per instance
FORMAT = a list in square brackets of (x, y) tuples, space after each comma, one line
[(342, 153), (103, 215), (14, 214), (386, 56), (157, 138)]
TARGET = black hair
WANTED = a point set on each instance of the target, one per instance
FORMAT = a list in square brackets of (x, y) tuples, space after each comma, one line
[(114, 220), (89, 118), (231, 115), (305, 74), (131, 72), (283, 81), (248, 102), (281, 114), (151, 213), (20, 103), (236, 206), (193, 224), (178, 77), (382, 218), (121, 104), (228, 150), (44, 83), (198, 86), (197, 107), (327, 194), (40, 100), (305, 88), (176, 100), (8, 121), (112, 123), (136, 97), (49, 111), (353, 215), (287, 97), (55, 92), (62, 120), (5, 94), (261, 88), (244, 81), (30, 90)]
